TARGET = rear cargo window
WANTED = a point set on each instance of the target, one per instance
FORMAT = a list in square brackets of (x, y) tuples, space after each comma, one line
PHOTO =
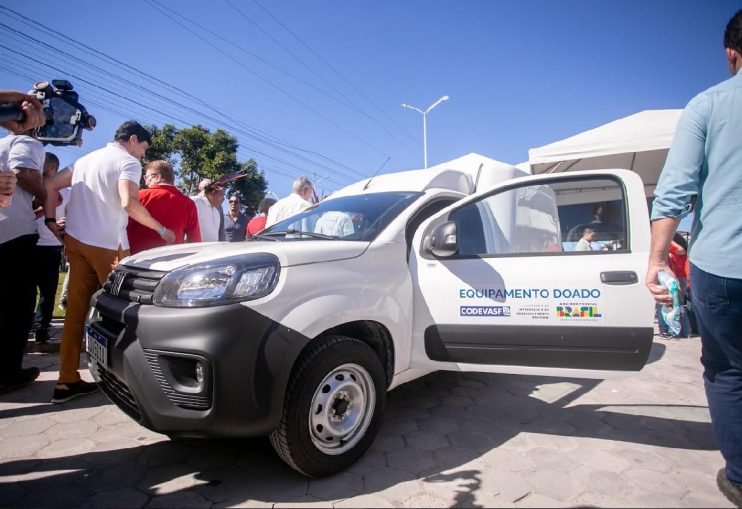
[(581, 216)]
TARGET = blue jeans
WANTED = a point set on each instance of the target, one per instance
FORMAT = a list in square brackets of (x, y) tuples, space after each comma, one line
[(717, 303)]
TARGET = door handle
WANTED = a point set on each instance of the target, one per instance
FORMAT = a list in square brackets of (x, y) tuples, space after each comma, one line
[(619, 277)]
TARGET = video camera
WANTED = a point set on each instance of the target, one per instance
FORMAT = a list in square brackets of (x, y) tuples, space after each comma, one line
[(65, 116)]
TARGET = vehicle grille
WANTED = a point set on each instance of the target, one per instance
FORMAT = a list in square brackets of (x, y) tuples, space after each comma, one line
[(117, 391), (181, 399), (135, 285)]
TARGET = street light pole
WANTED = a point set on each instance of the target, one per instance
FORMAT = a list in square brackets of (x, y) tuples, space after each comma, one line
[(425, 125)]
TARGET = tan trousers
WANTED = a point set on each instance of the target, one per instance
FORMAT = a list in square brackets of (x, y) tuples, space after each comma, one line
[(89, 268)]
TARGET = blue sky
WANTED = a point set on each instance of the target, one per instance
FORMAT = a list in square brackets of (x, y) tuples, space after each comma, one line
[(314, 87)]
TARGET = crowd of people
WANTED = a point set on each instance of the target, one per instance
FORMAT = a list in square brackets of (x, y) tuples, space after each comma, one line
[(92, 214)]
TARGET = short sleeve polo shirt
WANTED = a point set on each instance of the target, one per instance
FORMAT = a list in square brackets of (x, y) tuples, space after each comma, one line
[(95, 216)]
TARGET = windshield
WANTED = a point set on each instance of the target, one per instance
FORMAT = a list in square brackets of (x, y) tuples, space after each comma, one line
[(358, 217)]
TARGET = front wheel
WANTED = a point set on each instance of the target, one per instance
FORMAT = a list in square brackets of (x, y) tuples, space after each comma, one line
[(333, 407)]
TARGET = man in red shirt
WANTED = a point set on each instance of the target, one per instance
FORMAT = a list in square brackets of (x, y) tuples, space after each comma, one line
[(166, 204), (257, 223)]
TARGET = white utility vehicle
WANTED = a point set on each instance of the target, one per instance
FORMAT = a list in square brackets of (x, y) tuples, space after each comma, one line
[(300, 333)]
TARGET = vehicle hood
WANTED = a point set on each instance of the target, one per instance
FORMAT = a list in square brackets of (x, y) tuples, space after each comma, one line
[(289, 253)]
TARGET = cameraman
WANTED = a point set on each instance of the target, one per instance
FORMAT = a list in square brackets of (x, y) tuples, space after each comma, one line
[(105, 193), (33, 117), (21, 162), (32, 109)]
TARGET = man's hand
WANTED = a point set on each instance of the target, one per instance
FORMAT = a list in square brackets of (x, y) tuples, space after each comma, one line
[(659, 292), (662, 232), (32, 108), (60, 226), (7, 182), (168, 236), (56, 230)]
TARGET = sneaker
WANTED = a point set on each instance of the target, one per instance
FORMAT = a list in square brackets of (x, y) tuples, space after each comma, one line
[(665, 335), (42, 335), (23, 378), (732, 491), (66, 392)]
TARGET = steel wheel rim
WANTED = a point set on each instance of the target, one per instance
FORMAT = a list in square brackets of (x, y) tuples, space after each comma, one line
[(342, 408)]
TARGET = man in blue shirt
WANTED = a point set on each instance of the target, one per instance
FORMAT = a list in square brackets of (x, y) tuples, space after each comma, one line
[(705, 164)]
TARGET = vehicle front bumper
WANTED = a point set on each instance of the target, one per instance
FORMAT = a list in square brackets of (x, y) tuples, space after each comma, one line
[(245, 357)]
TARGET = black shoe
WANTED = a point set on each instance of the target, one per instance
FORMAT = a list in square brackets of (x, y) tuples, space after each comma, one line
[(66, 392), (42, 336), (24, 377), (730, 490), (665, 335)]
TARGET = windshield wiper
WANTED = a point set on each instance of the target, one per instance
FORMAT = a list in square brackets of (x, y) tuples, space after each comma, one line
[(302, 233), (264, 236)]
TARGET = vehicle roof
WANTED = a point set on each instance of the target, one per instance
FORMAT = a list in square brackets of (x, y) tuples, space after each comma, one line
[(456, 175)]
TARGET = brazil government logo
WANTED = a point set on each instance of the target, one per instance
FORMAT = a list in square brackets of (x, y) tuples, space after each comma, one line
[(578, 312)]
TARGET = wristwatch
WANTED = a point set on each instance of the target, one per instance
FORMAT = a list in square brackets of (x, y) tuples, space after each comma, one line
[(50, 220), (162, 230)]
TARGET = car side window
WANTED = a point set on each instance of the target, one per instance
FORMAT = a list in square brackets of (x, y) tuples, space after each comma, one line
[(579, 215)]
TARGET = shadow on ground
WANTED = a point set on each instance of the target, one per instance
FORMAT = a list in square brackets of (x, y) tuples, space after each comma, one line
[(432, 428)]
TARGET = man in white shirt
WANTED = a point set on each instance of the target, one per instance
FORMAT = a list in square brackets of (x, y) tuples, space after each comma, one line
[(296, 202), (335, 223), (47, 257), (22, 158), (584, 244), (209, 207), (105, 193)]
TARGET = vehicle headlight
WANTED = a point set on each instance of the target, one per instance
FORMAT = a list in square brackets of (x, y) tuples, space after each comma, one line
[(223, 281)]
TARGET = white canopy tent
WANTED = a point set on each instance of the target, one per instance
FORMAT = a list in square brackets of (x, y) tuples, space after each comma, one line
[(639, 142)]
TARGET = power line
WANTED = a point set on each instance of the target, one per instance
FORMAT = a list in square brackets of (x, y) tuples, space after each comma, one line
[(317, 74), (276, 168), (38, 62), (335, 70), (126, 115), (13, 66), (263, 137), (147, 108), (270, 83), (92, 51)]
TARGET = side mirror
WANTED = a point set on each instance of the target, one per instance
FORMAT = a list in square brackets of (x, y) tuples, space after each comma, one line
[(442, 241)]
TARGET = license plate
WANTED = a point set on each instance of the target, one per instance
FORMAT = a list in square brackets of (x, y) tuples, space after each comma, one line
[(97, 346)]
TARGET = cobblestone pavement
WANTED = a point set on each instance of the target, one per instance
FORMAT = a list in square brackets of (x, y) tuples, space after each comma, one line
[(448, 440)]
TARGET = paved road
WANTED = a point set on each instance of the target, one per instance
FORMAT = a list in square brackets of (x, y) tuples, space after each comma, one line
[(449, 440)]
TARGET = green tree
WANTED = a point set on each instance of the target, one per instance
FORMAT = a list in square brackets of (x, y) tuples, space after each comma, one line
[(196, 153), (163, 143), (190, 144)]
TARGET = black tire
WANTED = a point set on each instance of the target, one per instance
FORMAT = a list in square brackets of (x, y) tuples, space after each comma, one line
[(344, 371)]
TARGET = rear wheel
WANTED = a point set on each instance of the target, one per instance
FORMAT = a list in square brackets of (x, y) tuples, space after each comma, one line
[(333, 407)]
